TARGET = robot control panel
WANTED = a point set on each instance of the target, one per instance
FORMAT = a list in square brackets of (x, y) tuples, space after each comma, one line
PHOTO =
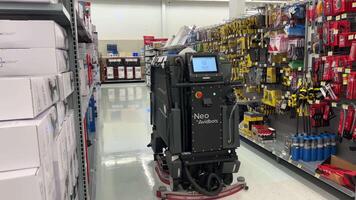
[(204, 68)]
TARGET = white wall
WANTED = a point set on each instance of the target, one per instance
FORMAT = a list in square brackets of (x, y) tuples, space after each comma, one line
[(195, 13), (126, 19), (131, 19)]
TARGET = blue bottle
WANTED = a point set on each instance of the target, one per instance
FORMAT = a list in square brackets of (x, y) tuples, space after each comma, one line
[(314, 149), (327, 146), (307, 149), (301, 146), (320, 148), (295, 152)]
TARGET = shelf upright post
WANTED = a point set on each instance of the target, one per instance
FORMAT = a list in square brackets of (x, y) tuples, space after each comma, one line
[(83, 180)]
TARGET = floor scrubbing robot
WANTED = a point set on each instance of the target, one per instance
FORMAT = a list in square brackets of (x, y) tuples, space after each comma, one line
[(195, 126)]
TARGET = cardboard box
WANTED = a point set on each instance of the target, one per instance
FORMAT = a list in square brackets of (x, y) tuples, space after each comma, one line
[(62, 110), (23, 34), (66, 85), (25, 184), (333, 173), (33, 62), (27, 143), (60, 157), (71, 134), (26, 97)]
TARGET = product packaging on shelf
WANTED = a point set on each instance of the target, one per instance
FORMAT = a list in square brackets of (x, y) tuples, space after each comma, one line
[(129, 73), (32, 34), (110, 73), (83, 74), (27, 143), (65, 83), (64, 157), (121, 72), (338, 170), (62, 110), (60, 156), (33, 62), (24, 184), (138, 73), (27, 97)]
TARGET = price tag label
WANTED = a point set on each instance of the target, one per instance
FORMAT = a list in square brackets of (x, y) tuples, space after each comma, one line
[(347, 71), (354, 5), (344, 16), (273, 64), (320, 19), (265, 65), (340, 69), (299, 68), (299, 166), (334, 104), (316, 56), (323, 58), (256, 63), (345, 106), (281, 71), (351, 37), (338, 18), (284, 59), (322, 83), (317, 175), (336, 31), (329, 18), (330, 53)]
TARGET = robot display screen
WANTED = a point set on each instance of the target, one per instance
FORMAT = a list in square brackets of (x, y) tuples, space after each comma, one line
[(204, 64)]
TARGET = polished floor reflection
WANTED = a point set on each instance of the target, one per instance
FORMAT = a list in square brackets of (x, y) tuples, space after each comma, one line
[(124, 165)]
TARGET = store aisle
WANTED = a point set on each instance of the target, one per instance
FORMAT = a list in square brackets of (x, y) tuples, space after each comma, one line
[(125, 172)]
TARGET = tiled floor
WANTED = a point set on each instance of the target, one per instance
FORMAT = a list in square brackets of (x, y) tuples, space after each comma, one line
[(124, 166)]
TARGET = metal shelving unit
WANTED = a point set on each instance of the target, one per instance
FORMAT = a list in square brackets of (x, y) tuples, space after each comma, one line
[(31, 11), (276, 149), (64, 14)]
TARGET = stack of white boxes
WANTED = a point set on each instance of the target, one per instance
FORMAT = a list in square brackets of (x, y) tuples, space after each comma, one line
[(37, 135)]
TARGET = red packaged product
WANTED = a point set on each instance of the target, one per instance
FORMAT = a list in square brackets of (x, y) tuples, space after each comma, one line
[(328, 8), (343, 6), (335, 29), (346, 39), (328, 70), (351, 86)]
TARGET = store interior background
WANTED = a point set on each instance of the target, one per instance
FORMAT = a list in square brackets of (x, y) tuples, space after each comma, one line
[(163, 18)]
